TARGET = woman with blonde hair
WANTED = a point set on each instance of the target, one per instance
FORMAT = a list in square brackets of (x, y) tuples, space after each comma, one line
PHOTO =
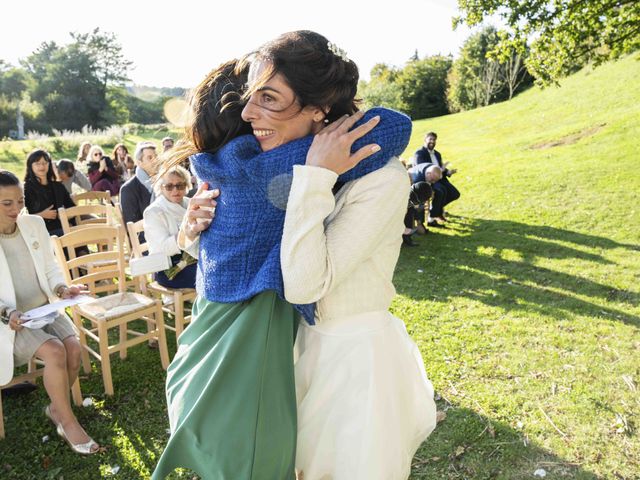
[(101, 171), (162, 220)]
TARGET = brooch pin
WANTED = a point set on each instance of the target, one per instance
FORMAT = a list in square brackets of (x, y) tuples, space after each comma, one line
[(36, 245)]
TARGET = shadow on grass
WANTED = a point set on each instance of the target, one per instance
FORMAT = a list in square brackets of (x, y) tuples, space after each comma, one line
[(493, 262), (467, 445)]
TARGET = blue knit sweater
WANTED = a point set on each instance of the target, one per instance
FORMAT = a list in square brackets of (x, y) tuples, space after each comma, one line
[(240, 251)]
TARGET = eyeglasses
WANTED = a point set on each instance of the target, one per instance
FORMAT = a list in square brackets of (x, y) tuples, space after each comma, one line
[(97, 154), (178, 186)]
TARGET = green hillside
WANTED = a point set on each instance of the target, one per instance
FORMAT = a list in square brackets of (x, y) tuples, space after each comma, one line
[(527, 312), (526, 308)]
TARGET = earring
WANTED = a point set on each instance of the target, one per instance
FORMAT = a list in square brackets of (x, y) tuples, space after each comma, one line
[(326, 121)]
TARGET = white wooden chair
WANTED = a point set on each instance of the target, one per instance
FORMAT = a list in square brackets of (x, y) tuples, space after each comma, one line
[(95, 319), (91, 198), (179, 295)]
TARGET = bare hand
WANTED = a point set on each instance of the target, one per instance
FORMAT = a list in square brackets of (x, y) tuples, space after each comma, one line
[(49, 213), (103, 165), (331, 147), (73, 290), (200, 211), (14, 321), (452, 171)]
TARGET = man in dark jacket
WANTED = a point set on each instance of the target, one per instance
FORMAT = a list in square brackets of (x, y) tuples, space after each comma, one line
[(443, 191), (137, 193)]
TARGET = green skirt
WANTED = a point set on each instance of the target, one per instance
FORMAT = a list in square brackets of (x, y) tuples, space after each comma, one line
[(231, 392)]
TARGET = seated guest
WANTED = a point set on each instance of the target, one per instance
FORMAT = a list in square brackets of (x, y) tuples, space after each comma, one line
[(43, 194), (83, 153), (121, 161), (68, 175), (162, 220), (31, 278), (102, 173), (420, 193), (424, 173), (167, 144), (444, 191), (136, 194)]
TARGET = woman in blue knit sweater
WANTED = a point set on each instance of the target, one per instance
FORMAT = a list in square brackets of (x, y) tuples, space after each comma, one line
[(230, 388)]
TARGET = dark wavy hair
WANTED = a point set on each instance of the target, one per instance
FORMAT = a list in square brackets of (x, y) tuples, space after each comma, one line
[(215, 108), (33, 157), (318, 75)]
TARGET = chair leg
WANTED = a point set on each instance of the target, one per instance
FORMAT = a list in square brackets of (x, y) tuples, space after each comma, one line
[(76, 393), (84, 354), (179, 313), (104, 357), (1, 419), (162, 337), (123, 339)]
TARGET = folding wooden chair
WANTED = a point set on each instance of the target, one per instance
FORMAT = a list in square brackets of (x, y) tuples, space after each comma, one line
[(115, 310), (179, 295), (34, 372), (92, 198)]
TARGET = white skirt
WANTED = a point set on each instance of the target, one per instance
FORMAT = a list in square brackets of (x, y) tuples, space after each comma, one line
[(365, 403)]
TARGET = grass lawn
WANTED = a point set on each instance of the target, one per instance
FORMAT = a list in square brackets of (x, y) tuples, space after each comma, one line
[(526, 308)]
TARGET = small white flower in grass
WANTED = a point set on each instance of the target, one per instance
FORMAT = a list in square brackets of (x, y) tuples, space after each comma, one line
[(87, 402), (420, 271), (115, 469), (45, 439), (541, 472)]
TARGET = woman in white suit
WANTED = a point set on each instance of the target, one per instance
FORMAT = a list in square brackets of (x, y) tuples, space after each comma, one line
[(26, 259)]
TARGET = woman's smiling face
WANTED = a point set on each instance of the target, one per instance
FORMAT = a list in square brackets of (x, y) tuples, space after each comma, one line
[(275, 113)]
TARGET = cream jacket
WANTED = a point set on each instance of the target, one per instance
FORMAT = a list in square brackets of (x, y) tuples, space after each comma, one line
[(35, 235), (341, 251), (162, 220)]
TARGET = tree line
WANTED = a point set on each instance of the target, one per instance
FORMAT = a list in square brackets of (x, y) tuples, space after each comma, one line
[(66, 87), (540, 42)]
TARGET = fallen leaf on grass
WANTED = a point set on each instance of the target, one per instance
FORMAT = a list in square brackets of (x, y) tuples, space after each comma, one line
[(459, 451), (440, 416), (46, 462), (541, 472)]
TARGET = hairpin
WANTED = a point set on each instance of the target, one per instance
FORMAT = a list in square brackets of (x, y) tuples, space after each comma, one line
[(338, 52)]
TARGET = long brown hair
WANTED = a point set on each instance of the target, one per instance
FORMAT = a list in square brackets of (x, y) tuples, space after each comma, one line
[(215, 108)]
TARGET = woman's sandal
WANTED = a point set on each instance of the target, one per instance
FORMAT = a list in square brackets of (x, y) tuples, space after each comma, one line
[(81, 448)]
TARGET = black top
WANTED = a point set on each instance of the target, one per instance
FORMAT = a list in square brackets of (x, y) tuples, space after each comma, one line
[(38, 197)]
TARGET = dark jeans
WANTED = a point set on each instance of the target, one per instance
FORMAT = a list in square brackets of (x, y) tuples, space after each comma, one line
[(443, 194), (103, 185)]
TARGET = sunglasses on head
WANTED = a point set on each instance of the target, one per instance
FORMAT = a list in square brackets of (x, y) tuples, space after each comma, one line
[(178, 186)]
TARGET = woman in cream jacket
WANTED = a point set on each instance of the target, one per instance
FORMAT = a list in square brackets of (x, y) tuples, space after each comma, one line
[(162, 221), (27, 261)]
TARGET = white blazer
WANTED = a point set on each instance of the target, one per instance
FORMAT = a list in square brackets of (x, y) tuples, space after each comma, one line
[(162, 221), (36, 236)]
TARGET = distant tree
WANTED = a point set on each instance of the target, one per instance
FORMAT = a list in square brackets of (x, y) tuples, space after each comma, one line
[(423, 85), (382, 89), (16, 102), (563, 34), (471, 81), (73, 82)]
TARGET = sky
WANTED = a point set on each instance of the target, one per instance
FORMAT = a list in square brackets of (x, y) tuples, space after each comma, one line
[(176, 45)]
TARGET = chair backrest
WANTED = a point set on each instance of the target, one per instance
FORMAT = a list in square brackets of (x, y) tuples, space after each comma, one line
[(84, 215), (104, 264), (91, 197), (138, 248)]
